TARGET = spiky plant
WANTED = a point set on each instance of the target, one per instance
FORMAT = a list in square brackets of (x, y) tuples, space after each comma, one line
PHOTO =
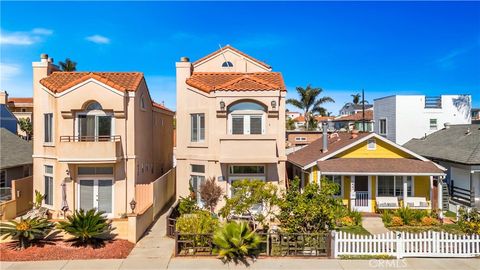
[(87, 227), (26, 230), (235, 241)]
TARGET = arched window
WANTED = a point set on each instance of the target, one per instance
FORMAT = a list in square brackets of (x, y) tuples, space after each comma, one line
[(94, 124), (143, 105), (227, 64), (246, 118)]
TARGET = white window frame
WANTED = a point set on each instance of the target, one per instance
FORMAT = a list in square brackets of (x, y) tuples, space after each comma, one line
[(199, 138), (51, 175), (435, 126), (404, 179), (95, 178), (51, 129), (198, 175), (371, 141), (95, 113), (246, 121), (380, 126)]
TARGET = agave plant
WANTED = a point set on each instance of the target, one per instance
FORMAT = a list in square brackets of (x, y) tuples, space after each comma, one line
[(26, 230), (235, 241), (87, 227)]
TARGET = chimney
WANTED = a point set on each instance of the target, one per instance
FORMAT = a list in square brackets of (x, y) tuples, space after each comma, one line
[(354, 133), (325, 137), (3, 97)]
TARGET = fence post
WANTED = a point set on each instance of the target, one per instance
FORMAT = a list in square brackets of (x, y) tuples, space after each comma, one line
[(399, 244), (176, 243), (333, 244)]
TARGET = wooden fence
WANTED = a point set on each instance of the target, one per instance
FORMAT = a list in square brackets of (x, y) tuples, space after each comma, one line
[(21, 199), (404, 244)]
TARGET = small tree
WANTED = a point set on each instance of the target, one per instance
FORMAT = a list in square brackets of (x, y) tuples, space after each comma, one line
[(68, 65), (310, 211), (26, 126), (210, 193), (246, 195)]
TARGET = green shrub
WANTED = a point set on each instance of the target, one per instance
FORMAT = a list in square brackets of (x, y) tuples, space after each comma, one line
[(200, 222), (345, 221), (356, 216), (406, 214), (38, 199), (235, 241), (469, 221), (420, 214), (87, 227), (26, 230), (397, 221), (387, 217), (187, 205)]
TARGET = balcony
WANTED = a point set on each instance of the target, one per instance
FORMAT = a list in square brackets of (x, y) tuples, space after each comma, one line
[(248, 149), (94, 149)]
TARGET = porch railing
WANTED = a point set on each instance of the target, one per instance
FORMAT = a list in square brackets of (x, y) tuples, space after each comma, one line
[(361, 198), (114, 138), (462, 196)]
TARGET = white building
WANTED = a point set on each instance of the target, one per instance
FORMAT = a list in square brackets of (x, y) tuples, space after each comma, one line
[(292, 115), (401, 118)]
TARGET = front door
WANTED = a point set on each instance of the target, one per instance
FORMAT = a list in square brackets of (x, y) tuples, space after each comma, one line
[(97, 194), (362, 193)]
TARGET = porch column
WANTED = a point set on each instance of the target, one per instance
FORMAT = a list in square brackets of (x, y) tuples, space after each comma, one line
[(472, 191), (405, 190), (302, 179), (352, 192)]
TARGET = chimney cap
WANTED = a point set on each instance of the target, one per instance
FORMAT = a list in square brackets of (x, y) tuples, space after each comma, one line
[(447, 125), (43, 56), (184, 59)]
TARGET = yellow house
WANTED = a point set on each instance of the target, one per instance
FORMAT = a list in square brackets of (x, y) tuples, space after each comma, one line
[(372, 172)]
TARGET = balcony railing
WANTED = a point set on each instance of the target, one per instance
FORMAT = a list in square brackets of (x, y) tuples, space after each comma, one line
[(114, 138)]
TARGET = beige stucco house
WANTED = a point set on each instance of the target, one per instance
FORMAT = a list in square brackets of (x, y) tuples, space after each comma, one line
[(97, 136), (230, 121)]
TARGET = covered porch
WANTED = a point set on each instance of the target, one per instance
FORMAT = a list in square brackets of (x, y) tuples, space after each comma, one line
[(373, 184)]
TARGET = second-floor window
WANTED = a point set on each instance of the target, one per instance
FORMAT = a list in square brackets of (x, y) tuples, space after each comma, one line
[(94, 124), (197, 127), (433, 124), (246, 118), (382, 129), (48, 127)]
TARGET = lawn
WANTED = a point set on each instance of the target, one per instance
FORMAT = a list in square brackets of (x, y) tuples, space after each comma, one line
[(449, 228), (354, 229)]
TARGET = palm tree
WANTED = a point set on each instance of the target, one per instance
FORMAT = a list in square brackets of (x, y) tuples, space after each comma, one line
[(310, 102), (356, 99), (68, 65)]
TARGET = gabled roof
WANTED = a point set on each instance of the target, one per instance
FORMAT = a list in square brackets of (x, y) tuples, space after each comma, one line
[(228, 47), (356, 116), (14, 151), (356, 106), (236, 81), (452, 144), (58, 82)]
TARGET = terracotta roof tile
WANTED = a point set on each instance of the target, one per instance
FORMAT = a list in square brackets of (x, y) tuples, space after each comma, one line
[(300, 118), (20, 100), (378, 165), (235, 50), (357, 116), (160, 106), (236, 81), (122, 81), (313, 152)]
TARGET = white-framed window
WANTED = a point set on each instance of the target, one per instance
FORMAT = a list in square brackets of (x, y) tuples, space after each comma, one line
[(433, 124), (227, 64), (48, 127), (246, 118), (48, 184), (300, 139), (197, 177), (337, 179), (94, 124), (247, 169), (382, 126), (197, 127), (392, 186), (371, 144)]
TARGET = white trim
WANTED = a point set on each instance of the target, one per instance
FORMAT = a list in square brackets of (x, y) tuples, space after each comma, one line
[(95, 179), (91, 80), (367, 208), (382, 173), (223, 50), (95, 113), (44, 156), (404, 181), (386, 126), (374, 144)]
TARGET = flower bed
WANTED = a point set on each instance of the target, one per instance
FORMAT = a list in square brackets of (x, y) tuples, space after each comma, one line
[(61, 250)]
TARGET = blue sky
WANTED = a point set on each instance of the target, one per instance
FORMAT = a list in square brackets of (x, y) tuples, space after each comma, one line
[(386, 48)]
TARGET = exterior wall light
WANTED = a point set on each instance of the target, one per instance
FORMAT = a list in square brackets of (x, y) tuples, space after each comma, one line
[(274, 104), (222, 105), (133, 204)]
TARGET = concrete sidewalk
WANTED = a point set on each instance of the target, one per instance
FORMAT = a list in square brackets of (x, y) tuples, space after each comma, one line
[(267, 264)]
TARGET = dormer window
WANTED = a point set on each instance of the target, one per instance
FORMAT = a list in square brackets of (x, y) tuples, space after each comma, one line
[(227, 64)]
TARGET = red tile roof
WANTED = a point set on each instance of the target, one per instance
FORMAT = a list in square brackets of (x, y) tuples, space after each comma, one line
[(300, 118), (122, 81), (160, 106), (20, 100), (313, 151), (236, 81), (235, 50), (324, 118), (378, 165), (357, 116)]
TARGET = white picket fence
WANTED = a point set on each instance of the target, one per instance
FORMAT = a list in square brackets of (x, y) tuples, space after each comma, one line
[(404, 244)]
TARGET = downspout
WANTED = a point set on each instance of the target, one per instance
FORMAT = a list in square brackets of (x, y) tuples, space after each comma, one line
[(126, 152)]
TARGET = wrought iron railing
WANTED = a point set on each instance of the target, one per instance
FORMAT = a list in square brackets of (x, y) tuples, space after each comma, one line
[(112, 138)]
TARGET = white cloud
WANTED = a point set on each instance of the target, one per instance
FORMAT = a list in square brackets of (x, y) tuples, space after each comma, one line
[(42, 31), (24, 38), (7, 71), (98, 39)]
